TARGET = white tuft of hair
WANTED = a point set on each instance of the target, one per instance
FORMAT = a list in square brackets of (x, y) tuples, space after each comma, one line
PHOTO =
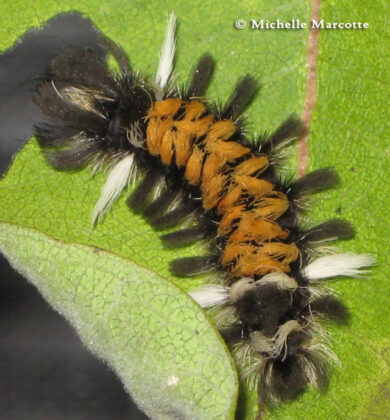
[(211, 295), (116, 181), (240, 287), (337, 265), (167, 55), (260, 343), (281, 335), (282, 280)]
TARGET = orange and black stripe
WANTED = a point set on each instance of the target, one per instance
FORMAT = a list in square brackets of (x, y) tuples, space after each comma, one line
[(205, 147)]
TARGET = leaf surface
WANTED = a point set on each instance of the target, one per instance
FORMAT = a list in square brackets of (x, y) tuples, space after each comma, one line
[(153, 335), (348, 131)]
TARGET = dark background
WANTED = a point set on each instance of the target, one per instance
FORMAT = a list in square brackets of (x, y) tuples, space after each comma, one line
[(45, 372)]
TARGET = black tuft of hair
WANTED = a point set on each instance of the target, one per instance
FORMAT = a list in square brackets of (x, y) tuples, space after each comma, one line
[(88, 109), (234, 334), (282, 380), (241, 97), (74, 157), (116, 51), (331, 308), (320, 369), (82, 67), (160, 204), (290, 129), (192, 266), (55, 135), (139, 197), (201, 77), (184, 237), (329, 230), (57, 108), (295, 340), (175, 216), (315, 181)]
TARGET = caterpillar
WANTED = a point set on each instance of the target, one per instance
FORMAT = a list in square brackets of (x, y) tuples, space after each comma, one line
[(199, 166)]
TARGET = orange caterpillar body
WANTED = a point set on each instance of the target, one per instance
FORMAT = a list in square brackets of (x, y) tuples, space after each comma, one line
[(204, 146)]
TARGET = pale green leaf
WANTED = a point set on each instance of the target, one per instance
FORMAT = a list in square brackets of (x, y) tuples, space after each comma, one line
[(155, 338)]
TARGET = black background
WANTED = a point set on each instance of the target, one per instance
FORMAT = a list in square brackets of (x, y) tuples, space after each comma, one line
[(45, 372)]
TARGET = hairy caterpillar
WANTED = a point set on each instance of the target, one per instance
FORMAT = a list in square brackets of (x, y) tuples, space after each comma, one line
[(270, 298)]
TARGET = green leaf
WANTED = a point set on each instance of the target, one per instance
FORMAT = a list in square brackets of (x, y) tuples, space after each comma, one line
[(348, 131), (153, 335)]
